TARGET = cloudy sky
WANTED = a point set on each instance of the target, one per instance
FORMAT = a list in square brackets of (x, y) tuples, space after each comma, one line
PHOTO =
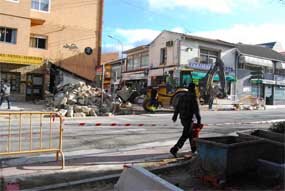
[(137, 22)]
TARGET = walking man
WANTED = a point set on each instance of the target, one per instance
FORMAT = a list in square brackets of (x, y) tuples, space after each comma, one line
[(211, 97), (5, 93), (187, 107)]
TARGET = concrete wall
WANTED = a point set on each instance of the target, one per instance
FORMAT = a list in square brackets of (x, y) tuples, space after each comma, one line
[(69, 78), (23, 35), (160, 42)]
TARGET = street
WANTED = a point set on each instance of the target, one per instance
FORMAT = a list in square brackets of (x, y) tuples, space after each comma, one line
[(165, 132), (135, 131), (101, 144)]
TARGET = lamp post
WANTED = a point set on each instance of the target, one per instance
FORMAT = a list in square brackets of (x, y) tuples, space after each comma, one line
[(122, 48)]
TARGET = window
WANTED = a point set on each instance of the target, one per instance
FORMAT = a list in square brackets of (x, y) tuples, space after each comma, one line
[(163, 56), (8, 35), (15, 1), (280, 71), (41, 5), (144, 60), (137, 62), (208, 56), (130, 64), (38, 42)]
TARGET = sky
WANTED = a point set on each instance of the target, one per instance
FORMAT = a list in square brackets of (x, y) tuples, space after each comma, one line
[(131, 23)]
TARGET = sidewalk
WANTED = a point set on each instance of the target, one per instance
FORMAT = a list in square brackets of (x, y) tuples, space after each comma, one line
[(136, 109), (87, 166), (22, 106)]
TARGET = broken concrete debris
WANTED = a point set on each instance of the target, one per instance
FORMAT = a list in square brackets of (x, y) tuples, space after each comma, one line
[(79, 100)]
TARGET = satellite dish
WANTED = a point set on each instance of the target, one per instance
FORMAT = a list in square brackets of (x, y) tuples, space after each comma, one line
[(88, 50)]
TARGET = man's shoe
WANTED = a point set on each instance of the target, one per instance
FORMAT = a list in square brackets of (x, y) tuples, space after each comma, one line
[(173, 151)]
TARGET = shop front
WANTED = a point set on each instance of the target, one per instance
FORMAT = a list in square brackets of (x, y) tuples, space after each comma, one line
[(200, 71), (25, 75), (273, 92), (136, 81)]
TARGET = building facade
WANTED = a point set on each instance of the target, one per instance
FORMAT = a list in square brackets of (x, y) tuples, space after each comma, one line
[(261, 73), (249, 69), (34, 33), (135, 71), (171, 51)]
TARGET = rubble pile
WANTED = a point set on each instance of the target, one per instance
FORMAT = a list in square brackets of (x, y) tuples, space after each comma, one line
[(79, 100)]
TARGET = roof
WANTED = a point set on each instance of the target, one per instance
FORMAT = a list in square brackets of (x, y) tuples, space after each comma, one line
[(216, 41), (268, 44), (108, 57), (260, 51), (136, 48)]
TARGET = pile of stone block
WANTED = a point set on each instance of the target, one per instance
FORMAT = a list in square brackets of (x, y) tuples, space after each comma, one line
[(79, 100)]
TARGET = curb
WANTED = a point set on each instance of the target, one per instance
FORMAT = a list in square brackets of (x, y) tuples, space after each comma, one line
[(106, 178)]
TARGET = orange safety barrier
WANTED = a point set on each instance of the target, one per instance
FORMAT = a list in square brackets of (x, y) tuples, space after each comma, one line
[(31, 132)]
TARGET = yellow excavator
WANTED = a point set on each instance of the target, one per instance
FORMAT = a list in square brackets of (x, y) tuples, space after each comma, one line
[(175, 85)]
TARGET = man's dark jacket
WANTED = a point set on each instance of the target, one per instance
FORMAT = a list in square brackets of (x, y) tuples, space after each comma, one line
[(187, 106)]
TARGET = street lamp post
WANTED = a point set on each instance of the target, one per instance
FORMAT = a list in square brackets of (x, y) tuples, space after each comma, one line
[(122, 48)]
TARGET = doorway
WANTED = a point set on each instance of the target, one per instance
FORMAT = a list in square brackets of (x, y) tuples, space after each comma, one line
[(34, 86)]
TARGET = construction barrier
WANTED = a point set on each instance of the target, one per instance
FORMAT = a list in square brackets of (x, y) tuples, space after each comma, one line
[(91, 124), (139, 179), (31, 132)]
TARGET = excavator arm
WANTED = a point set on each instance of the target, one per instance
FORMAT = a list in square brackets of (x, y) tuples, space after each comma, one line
[(206, 83)]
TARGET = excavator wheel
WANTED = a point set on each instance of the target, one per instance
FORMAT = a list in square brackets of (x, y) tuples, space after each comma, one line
[(148, 106)]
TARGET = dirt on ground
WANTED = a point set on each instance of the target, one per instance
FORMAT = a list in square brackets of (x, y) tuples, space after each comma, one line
[(188, 178)]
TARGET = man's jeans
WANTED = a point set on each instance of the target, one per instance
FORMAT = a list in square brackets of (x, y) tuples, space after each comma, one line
[(7, 99), (187, 134)]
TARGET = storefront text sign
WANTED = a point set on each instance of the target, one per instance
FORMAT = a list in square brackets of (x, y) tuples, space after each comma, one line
[(201, 66), (17, 59)]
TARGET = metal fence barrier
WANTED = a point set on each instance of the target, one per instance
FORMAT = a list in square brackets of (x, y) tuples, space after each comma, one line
[(31, 133)]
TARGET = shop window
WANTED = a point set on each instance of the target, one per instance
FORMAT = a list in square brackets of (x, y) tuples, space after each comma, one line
[(13, 79), (163, 56), (279, 93), (38, 42), (208, 56), (41, 5), (8, 35)]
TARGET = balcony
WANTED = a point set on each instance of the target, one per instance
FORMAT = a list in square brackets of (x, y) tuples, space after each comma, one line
[(36, 22)]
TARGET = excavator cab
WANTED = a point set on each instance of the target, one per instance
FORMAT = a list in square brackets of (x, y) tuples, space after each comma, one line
[(167, 94)]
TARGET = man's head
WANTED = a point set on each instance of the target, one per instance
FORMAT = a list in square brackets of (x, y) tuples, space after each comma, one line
[(2, 81)]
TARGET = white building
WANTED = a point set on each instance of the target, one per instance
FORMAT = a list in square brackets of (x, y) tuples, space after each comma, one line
[(171, 50)]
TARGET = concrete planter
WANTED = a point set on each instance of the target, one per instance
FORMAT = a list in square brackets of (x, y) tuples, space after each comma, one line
[(228, 155), (274, 149)]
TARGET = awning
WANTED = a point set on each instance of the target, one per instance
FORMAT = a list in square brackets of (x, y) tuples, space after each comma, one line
[(256, 61), (201, 75), (134, 76), (262, 81), (17, 59)]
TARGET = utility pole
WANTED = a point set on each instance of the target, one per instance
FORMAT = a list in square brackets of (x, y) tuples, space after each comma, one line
[(122, 49)]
